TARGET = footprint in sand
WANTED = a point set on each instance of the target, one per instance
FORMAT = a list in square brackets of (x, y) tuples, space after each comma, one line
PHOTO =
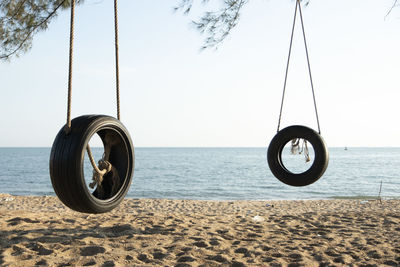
[(143, 258), (108, 264), (17, 250), (159, 255), (92, 250), (186, 259), (18, 220), (185, 249), (374, 254), (39, 248), (294, 264), (201, 244), (277, 255), (295, 257), (90, 263), (128, 258), (237, 264), (218, 258), (268, 259), (244, 251), (214, 242), (40, 263), (266, 248)]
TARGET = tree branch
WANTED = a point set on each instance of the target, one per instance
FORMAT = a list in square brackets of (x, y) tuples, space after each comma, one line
[(34, 28), (20, 20), (393, 6)]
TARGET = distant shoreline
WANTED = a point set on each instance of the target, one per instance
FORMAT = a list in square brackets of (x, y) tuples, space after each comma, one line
[(359, 198)]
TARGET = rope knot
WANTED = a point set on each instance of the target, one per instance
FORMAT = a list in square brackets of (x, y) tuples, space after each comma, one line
[(103, 168), (295, 148)]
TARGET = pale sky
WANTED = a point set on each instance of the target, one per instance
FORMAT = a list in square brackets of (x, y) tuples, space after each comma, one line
[(174, 95)]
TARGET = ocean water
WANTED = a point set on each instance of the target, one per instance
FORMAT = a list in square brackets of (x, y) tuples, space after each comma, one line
[(220, 174)]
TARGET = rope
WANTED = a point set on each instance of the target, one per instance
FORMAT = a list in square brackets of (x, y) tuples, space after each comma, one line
[(116, 57), (102, 172), (298, 6), (287, 66), (98, 173), (309, 67), (67, 127)]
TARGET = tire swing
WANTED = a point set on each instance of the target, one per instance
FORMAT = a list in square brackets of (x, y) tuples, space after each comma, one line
[(295, 134), (113, 174)]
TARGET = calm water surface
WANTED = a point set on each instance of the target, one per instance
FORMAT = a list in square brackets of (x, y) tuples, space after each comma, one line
[(219, 174)]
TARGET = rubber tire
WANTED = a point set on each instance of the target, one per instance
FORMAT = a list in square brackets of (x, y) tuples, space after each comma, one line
[(67, 158), (316, 170)]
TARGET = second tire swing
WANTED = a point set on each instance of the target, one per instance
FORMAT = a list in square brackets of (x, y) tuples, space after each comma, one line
[(296, 133)]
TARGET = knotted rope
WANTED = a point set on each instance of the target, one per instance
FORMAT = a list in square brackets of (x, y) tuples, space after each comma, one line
[(295, 148), (98, 172)]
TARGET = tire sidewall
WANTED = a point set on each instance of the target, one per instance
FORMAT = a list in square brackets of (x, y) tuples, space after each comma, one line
[(317, 168), (67, 163)]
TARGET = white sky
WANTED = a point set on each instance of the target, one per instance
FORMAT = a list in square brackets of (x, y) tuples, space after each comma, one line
[(174, 95)]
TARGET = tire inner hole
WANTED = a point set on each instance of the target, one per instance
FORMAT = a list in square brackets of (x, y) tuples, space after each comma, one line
[(117, 156), (298, 155)]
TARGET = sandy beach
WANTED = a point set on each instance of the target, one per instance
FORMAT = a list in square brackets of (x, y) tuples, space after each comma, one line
[(154, 232)]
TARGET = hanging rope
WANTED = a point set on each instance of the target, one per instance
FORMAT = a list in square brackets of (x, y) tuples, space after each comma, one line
[(287, 67), (116, 57), (67, 127), (71, 51), (298, 6)]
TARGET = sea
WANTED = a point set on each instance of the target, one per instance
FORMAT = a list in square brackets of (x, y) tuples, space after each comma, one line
[(221, 174)]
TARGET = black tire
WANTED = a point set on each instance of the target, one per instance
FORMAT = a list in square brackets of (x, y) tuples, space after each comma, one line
[(316, 170), (67, 161)]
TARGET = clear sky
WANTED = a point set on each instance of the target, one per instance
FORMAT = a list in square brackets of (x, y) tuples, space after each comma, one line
[(174, 95)]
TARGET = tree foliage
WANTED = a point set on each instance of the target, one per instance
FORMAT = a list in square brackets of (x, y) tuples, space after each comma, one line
[(216, 25), (21, 19)]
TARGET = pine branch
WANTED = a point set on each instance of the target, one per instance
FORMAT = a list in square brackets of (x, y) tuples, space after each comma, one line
[(391, 8), (20, 20)]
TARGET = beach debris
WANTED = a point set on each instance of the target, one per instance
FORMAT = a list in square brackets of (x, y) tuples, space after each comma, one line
[(7, 199), (379, 195), (258, 219), (269, 205)]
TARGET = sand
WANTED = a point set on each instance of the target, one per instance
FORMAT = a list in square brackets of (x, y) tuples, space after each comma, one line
[(154, 232)]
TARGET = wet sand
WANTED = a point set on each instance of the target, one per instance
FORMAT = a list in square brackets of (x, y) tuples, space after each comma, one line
[(154, 232)]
